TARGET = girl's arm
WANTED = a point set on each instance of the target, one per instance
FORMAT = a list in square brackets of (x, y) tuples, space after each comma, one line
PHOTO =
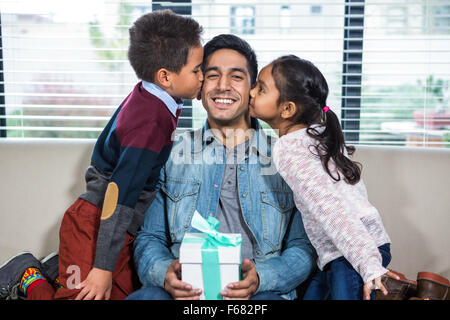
[(332, 207)]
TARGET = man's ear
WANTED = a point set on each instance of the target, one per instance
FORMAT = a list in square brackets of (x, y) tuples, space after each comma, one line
[(288, 109), (163, 78)]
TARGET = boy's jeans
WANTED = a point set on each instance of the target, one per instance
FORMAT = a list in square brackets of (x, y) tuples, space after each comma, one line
[(339, 281)]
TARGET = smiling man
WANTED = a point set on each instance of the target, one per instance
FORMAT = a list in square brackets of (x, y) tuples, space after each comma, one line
[(220, 170), (225, 95)]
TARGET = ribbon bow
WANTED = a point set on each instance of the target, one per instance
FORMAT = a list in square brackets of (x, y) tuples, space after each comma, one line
[(210, 226)]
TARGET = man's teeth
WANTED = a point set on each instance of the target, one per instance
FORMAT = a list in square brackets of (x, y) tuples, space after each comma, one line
[(226, 101)]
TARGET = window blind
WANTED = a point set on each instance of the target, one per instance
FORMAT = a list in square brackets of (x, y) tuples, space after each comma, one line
[(65, 68), (405, 73)]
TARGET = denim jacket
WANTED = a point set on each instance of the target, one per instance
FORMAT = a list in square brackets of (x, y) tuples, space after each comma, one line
[(191, 180)]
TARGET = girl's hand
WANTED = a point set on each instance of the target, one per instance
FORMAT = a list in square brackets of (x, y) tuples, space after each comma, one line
[(377, 284)]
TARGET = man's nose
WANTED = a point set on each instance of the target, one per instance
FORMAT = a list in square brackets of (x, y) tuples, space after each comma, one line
[(223, 84)]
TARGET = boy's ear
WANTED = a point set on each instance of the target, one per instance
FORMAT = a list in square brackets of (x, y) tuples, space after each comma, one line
[(288, 109), (163, 78)]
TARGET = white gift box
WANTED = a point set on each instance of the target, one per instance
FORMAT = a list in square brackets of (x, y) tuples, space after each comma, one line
[(191, 262)]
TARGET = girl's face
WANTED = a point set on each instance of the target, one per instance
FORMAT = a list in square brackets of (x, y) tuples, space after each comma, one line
[(264, 96)]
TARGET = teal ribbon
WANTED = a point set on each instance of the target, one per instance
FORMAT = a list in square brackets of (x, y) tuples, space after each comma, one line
[(210, 253)]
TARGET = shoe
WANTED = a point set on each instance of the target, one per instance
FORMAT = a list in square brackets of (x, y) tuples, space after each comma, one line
[(12, 270), (401, 289), (431, 286), (50, 267)]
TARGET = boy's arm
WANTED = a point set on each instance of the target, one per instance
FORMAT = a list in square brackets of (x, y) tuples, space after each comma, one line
[(141, 145), (124, 188), (297, 260), (151, 253)]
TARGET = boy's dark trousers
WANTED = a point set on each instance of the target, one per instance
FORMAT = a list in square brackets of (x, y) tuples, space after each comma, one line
[(78, 239)]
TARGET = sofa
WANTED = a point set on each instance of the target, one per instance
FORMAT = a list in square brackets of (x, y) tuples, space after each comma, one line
[(410, 186)]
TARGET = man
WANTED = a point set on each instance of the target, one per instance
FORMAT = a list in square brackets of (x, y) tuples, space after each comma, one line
[(224, 170)]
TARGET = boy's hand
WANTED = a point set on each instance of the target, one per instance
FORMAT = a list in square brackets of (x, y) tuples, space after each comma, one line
[(245, 288), (178, 289), (96, 286), (377, 284)]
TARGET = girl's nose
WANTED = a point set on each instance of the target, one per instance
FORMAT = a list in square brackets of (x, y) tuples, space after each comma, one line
[(252, 92)]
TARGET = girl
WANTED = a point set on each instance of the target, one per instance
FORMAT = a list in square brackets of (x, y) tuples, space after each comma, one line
[(346, 230)]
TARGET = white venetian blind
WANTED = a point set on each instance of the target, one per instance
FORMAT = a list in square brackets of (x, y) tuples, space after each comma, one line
[(65, 68), (406, 73)]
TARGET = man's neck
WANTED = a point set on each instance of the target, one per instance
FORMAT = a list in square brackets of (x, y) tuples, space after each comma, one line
[(232, 134)]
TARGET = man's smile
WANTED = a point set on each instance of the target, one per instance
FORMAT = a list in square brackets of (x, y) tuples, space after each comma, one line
[(222, 102)]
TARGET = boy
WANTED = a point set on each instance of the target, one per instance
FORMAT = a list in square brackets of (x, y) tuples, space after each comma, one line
[(98, 230)]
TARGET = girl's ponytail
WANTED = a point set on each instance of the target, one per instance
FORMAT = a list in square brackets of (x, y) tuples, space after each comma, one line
[(299, 81), (332, 145)]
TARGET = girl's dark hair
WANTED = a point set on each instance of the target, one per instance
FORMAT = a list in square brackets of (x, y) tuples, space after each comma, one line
[(161, 39), (301, 82)]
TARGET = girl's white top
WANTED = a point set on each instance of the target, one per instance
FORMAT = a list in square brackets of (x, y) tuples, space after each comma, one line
[(338, 217)]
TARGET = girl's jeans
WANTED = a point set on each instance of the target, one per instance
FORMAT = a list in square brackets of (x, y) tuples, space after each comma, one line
[(339, 281)]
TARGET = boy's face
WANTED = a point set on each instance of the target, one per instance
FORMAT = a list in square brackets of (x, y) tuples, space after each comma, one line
[(226, 89), (188, 82)]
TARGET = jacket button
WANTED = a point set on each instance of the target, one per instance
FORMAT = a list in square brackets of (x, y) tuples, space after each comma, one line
[(242, 168), (244, 195), (176, 195)]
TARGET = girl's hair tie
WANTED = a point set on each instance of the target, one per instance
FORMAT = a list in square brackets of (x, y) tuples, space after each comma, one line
[(326, 108)]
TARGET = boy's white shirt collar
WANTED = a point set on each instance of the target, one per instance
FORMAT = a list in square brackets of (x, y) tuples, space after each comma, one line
[(157, 91)]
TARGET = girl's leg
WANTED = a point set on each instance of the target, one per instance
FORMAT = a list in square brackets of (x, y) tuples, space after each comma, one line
[(318, 288), (345, 282)]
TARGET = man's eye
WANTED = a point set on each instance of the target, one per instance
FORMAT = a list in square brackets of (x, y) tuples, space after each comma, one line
[(237, 77), (212, 76)]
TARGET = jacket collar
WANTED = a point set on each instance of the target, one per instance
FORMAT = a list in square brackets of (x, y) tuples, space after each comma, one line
[(260, 143)]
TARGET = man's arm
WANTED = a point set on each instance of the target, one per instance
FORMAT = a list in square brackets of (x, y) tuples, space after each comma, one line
[(155, 263), (297, 260)]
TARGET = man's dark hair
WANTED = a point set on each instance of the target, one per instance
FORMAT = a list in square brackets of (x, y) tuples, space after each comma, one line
[(161, 39), (229, 41)]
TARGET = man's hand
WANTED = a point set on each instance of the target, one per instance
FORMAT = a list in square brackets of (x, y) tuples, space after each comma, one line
[(244, 289), (96, 286), (178, 289)]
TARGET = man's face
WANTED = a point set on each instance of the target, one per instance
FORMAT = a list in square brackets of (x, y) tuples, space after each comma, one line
[(226, 87)]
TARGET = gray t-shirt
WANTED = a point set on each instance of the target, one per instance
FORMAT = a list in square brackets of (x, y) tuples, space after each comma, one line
[(229, 213)]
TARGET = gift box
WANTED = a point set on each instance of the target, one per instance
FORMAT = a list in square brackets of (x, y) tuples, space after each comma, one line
[(210, 260)]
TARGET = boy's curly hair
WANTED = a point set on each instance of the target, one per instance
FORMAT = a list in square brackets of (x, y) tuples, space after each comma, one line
[(161, 39)]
